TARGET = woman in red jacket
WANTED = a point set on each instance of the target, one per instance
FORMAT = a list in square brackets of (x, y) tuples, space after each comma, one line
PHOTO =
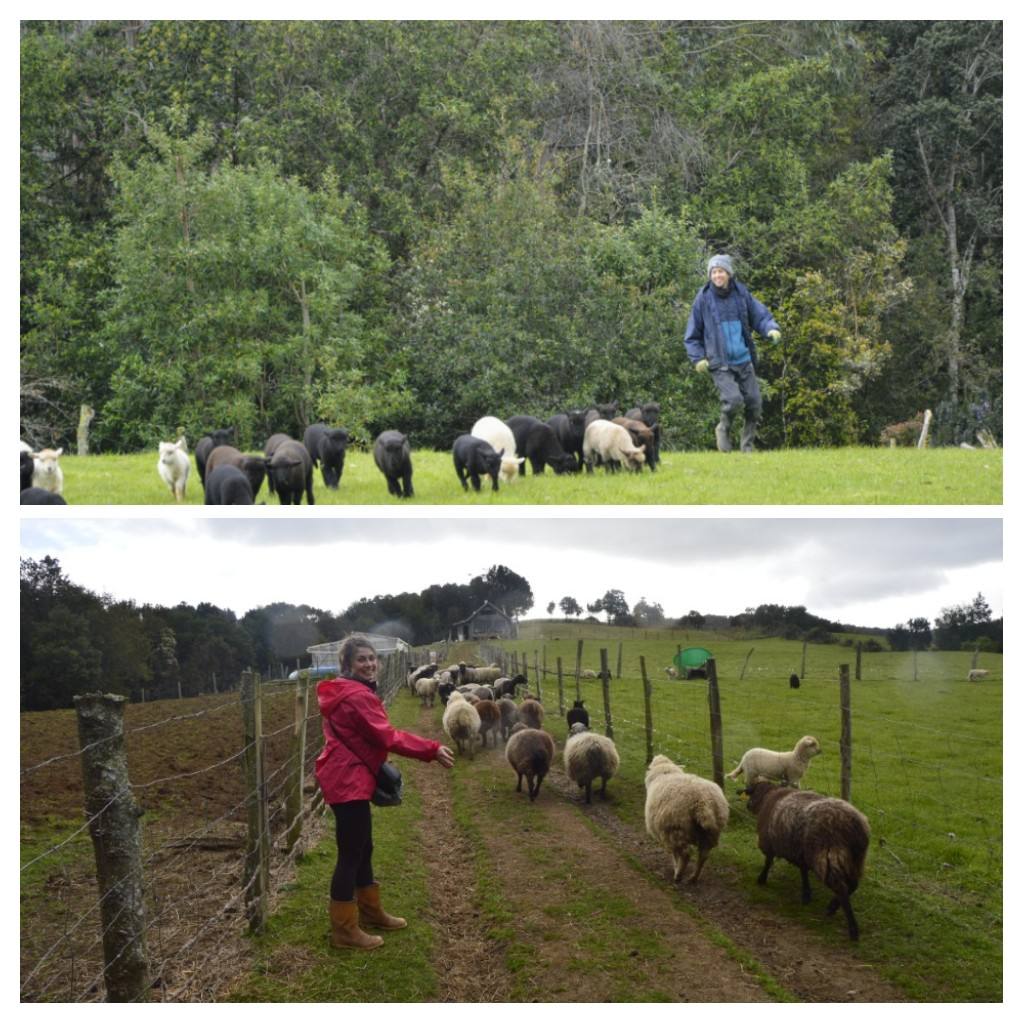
[(357, 737)]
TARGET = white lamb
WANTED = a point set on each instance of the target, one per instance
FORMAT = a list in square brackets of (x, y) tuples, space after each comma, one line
[(426, 689), (461, 721), (173, 466), (589, 756), (500, 437), (608, 443), (774, 766), (976, 673), (681, 811), (47, 473)]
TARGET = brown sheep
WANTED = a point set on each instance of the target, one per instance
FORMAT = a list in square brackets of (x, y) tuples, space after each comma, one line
[(531, 713), (490, 720), (530, 752), (816, 833)]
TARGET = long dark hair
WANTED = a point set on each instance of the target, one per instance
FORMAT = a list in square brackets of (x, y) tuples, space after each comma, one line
[(347, 651)]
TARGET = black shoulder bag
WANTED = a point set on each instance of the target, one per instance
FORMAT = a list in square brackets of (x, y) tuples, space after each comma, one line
[(389, 778)]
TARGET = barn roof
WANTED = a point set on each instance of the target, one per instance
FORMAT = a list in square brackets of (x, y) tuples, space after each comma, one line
[(485, 607)]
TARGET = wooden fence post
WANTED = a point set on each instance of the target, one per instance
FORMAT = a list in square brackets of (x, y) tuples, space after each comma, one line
[(536, 672), (803, 661), (746, 662), (256, 874), (295, 799), (857, 670), (648, 720), (715, 709), (117, 843), (845, 734), (606, 693), (579, 663), (561, 689), (915, 664), (618, 663)]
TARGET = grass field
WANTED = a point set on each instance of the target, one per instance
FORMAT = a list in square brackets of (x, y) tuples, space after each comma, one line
[(927, 770), (840, 476)]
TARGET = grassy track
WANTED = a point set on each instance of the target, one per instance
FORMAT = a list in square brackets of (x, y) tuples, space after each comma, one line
[(927, 769), (840, 476)]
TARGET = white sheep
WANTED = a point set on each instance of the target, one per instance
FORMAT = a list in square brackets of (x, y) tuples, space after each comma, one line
[(500, 437), (672, 672), (47, 473), (461, 721), (426, 689), (976, 673), (608, 443), (681, 811), (172, 464), (775, 766), (589, 756)]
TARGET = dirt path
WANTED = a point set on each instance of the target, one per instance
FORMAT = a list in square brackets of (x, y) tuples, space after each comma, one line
[(659, 937)]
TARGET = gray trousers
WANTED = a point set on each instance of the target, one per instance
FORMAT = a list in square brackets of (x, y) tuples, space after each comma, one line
[(737, 388)]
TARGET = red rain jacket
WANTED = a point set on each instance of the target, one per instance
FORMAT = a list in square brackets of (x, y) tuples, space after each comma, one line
[(357, 737)]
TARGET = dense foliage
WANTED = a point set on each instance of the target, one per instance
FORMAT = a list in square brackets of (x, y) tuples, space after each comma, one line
[(412, 224)]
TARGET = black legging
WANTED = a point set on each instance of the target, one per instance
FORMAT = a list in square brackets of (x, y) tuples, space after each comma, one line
[(354, 834)]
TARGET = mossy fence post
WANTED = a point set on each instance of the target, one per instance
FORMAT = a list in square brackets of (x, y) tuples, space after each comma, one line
[(845, 734), (715, 711), (294, 798), (803, 661), (857, 670), (618, 663), (256, 873), (606, 693), (561, 688), (648, 720), (116, 835), (746, 662), (537, 673)]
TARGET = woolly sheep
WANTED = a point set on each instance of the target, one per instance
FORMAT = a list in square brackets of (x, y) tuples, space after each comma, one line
[(509, 715), (590, 756), (47, 473), (530, 752), (426, 690), (794, 682), (588, 673), (777, 766), (531, 713), (505, 686), (672, 672), (461, 721), (500, 437), (683, 810), (609, 444), (816, 833), (484, 675), (490, 720), (976, 673), (172, 464), (418, 673)]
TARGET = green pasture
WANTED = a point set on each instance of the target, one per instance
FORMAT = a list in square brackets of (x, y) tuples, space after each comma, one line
[(927, 770), (822, 476)]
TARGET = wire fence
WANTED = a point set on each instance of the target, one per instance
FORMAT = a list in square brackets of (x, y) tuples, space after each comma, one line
[(185, 777)]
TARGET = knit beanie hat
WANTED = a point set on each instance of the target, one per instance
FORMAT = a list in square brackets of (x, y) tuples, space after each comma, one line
[(723, 261)]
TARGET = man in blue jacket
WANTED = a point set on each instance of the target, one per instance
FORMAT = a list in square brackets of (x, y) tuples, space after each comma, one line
[(719, 341)]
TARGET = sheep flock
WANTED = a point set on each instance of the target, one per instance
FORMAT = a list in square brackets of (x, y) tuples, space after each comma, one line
[(684, 813)]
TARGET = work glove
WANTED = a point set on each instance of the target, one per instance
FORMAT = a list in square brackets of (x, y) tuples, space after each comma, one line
[(702, 366), (775, 336)]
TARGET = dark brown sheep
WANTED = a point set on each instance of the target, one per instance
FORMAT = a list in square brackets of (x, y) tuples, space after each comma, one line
[(531, 713), (530, 752), (490, 720), (816, 833)]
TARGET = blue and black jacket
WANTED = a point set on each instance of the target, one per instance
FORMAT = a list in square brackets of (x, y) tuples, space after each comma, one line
[(720, 328)]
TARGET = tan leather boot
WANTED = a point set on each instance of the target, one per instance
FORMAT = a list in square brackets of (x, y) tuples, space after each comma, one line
[(345, 930), (370, 911)]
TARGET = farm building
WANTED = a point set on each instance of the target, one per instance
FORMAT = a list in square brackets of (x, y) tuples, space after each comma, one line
[(325, 656), (487, 622)]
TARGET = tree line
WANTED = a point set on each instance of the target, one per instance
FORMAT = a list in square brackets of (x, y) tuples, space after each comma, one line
[(75, 641), (411, 224)]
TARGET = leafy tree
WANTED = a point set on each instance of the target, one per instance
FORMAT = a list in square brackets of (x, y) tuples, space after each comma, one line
[(614, 605), (919, 634), (237, 296), (570, 606), (648, 614), (551, 607), (503, 588), (163, 662), (693, 619), (961, 626)]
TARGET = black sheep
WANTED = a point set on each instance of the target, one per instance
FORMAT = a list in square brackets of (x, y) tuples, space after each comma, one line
[(393, 457), (538, 443), (794, 682), (255, 469), (28, 467), (569, 428), (290, 472), (326, 446), (577, 713), (40, 496), (474, 458), (227, 485), (206, 445)]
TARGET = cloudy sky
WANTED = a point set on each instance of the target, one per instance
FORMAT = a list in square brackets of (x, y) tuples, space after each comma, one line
[(873, 572)]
